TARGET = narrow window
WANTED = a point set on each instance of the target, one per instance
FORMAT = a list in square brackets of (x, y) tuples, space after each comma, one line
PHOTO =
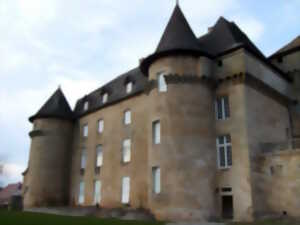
[(126, 150), (83, 159), (104, 98), (162, 85), (100, 126), (222, 108), (81, 193), (97, 192), (128, 87), (156, 132), (86, 106), (224, 150), (127, 117), (99, 158), (156, 179), (85, 130), (125, 190)]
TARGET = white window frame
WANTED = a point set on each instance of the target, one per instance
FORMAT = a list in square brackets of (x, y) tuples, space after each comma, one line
[(85, 130), (127, 117), (104, 97), (99, 156), (223, 108), (156, 132), (81, 196), (156, 180), (100, 126), (83, 158), (86, 106), (126, 151), (225, 145), (129, 86), (97, 192), (161, 82), (125, 198)]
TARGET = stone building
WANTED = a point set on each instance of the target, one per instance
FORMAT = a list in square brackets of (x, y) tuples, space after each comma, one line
[(204, 128)]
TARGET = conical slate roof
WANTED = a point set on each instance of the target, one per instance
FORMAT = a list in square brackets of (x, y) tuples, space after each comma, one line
[(56, 106), (178, 34), (294, 45), (178, 38)]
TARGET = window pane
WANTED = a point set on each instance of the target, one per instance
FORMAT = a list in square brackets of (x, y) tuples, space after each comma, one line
[(219, 109), (221, 157), (156, 179), (126, 150), (99, 160), (162, 85), (229, 156), (127, 117), (97, 192), (228, 139), (156, 132), (226, 107), (100, 126), (221, 140), (85, 130), (125, 190), (81, 193), (83, 159)]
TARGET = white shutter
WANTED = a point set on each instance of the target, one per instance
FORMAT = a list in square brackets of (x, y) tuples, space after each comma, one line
[(81, 193), (126, 150), (100, 126), (97, 192), (156, 180), (127, 117), (99, 160), (156, 132), (85, 130), (125, 190), (83, 159)]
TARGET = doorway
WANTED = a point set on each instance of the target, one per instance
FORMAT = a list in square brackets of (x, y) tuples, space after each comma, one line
[(227, 207)]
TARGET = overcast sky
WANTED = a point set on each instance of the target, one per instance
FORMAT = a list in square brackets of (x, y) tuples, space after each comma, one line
[(82, 44)]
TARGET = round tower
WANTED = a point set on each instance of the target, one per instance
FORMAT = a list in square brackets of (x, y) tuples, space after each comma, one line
[(47, 177), (182, 147)]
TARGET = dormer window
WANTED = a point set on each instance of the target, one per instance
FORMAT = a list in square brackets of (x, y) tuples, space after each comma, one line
[(86, 106), (129, 87), (104, 97)]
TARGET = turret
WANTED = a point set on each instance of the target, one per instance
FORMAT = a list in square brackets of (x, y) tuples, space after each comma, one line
[(182, 118), (47, 177)]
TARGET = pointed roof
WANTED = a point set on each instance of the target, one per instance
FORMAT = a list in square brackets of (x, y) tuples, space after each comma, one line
[(225, 36), (56, 106), (294, 45), (178, 34), (178, 38)]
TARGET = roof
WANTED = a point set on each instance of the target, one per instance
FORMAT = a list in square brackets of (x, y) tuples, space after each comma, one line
[(10, 190), (293, 46), (56, 106), (116, 90)]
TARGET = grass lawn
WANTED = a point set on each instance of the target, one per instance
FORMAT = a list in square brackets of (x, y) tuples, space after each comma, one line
[(270, 222), (26, 218)]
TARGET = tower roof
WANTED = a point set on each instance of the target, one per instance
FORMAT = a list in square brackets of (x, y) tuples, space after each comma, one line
[(294, 45), (178, 37), (56, 106)]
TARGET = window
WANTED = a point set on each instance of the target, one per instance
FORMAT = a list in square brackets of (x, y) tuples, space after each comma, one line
[(81, 193), (156, 179), (86, 106), (127, 117), (99, 158), (128, 87), (224, 152), (125, 190), (222, 108), (126, 150), (100, 126), (156, 132), (162, 85), (97, 192), (104, 98), (83, 159), (85, 130)]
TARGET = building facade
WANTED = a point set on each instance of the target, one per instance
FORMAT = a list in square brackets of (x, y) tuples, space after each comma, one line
[(204, 128)]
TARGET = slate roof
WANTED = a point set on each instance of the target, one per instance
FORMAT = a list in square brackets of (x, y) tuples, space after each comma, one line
[(56, 106), (116, 90), (294, 45)]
